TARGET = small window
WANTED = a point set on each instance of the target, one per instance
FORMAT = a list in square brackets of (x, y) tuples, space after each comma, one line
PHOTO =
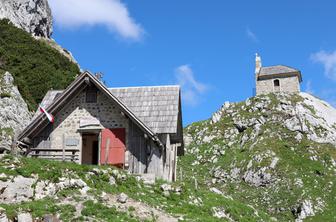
[(276, 85), (91, 96), (276, 82)]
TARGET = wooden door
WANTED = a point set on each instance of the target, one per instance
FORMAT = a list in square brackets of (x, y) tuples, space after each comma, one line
[(90, 149), (113, 147)]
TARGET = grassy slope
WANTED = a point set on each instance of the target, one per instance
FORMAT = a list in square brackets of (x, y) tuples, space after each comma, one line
[(175, 204), (294, 163), (36, 66)]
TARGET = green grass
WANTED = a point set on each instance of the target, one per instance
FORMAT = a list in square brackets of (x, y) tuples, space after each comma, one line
[(103, 213), (40, 208), (7, 131)]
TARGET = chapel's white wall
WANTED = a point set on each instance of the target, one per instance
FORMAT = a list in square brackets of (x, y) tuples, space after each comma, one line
[(287, 84)]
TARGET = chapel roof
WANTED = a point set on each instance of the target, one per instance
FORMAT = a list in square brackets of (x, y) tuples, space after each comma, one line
[(278, 71)]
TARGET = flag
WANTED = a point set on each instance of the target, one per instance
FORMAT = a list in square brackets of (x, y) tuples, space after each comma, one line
[(49, 116)]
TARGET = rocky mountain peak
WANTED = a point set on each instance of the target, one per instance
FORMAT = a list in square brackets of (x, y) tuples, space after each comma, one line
[(301, 113), (33, 16), (274, 149)]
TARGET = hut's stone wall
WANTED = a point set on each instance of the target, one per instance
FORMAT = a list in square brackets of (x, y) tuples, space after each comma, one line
[(287, 84), (67, 121)]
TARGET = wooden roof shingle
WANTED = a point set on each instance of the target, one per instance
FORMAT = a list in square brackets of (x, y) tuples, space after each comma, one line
[(156, 106)]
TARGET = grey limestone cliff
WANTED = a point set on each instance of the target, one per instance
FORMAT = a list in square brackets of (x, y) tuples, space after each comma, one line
[(33, 16)]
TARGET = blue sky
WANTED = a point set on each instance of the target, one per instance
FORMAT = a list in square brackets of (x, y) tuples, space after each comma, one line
[(206, 46)]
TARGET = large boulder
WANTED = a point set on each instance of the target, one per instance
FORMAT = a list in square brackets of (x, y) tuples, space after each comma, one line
[(14, 113), (24, 217), (18, 190)]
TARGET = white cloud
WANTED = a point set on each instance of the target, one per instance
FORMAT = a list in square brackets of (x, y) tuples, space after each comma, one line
[(251, 35), (191, 88), (328, 60), (111, 13)]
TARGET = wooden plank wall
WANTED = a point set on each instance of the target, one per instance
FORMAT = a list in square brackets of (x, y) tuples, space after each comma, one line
[(145, 156), (155, 160), (169, 172), (43, 139), (137, 149)]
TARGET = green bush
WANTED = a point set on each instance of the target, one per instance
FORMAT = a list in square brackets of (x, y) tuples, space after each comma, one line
[(7, 131), (5, 95), (35, 65)]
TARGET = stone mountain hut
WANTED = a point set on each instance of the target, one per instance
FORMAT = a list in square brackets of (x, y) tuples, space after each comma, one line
[(138, 129), (277, 78)]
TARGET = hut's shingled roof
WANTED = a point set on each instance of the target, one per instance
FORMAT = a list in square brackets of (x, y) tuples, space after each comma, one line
[(50, 97), (155, 106)]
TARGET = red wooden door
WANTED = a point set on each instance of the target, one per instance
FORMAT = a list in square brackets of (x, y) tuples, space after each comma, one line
[(113, 147)]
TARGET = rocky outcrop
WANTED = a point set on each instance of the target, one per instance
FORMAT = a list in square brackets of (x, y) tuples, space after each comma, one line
[(20, 189), (33, 16), (301, 113), (250, 123), (14, 113), (60, 49), (24, 217), (219, 212), (268, 147)]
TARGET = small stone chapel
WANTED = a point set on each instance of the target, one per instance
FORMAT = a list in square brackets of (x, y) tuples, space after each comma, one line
[(278, 78)]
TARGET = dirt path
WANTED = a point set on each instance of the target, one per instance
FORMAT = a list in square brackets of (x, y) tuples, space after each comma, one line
[(142, 210)]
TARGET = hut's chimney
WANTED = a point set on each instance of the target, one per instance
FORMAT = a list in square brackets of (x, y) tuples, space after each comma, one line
[(258, 64)]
